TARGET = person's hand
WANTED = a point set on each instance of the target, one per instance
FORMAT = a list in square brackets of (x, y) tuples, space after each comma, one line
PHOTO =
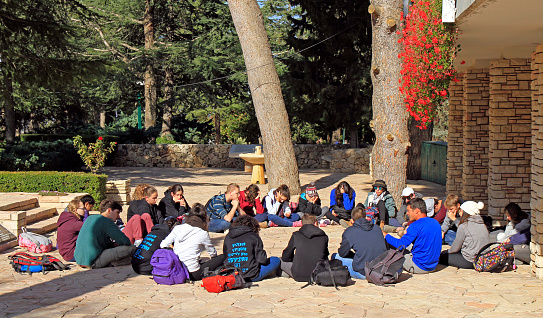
[(507, 241), (334, 213), (451, 215), (442, 235), (398, 229), (287, 214), (182, 202), (314, 199), (235, 203)]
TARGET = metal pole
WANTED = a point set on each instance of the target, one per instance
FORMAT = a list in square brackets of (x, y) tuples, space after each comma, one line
[(139, 110)]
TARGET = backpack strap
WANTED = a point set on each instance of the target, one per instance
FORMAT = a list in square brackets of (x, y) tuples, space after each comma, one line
[(327, 265)]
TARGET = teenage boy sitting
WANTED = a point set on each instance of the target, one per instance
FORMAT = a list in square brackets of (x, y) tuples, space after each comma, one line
[(362, 237), (222, 209), (311, 246)]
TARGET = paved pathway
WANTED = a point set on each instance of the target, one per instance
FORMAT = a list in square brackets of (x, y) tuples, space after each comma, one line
[(119, 292)]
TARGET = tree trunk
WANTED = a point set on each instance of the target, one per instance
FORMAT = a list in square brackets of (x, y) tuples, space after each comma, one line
[(217, 124), (103, 116), (168, 103), (389, 155), (9, 108), (265, 88), (416, 137), (353, 137), (149, 77)]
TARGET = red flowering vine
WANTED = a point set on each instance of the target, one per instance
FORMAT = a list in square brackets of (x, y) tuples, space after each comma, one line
[(427, 60)]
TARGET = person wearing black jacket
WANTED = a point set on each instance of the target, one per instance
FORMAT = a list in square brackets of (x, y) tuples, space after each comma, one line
[(243, 248), (311, 246), (141, 260), (365, 239), (146, 205), (173, 203), (310, 203)]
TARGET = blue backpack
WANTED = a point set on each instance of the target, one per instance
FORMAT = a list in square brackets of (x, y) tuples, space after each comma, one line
[(372, 213), (167, 268)]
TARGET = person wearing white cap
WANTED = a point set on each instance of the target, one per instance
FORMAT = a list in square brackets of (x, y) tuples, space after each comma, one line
[(471, 236), (407, 195)]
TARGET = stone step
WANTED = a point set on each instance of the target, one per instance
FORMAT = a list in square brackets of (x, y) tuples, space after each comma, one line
[(40, 213), (18, 203), (43, 226), (9, 244)]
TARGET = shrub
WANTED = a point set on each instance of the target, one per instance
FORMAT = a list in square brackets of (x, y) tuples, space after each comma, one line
[(36, 181), (94, 155), (40, 155)]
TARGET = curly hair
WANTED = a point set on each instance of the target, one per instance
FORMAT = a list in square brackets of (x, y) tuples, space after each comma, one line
[(251, 193), (247, 220), (283, 190), (138, 191)]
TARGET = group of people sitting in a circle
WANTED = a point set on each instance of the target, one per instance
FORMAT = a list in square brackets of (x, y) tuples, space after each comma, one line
[(421, 226)]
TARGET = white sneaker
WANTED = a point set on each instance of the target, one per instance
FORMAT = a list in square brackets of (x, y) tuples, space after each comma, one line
[(137, 243)]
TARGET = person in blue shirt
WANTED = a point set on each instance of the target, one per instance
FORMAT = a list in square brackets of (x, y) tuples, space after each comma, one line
[(223, 208), (425, 235), (341, 204)]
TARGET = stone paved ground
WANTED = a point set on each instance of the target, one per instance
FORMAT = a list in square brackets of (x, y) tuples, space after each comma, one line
[(118, 292)]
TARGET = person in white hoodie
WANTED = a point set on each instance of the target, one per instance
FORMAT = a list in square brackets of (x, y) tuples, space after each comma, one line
[(277, 209), (190, 240)]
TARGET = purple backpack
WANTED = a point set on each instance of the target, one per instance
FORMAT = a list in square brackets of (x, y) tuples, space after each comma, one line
[(167, 268)]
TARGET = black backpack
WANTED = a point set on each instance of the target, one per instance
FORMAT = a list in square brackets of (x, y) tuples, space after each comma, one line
[(329, 273), (386, 268)]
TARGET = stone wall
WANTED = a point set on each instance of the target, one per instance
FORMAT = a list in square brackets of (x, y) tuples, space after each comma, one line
[(351, 160), (194, 156), (510, 134), (475, 148), (455, 139), (536, 204)]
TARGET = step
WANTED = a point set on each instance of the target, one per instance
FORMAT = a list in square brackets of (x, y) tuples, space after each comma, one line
[(40, 213), (9, 244), (18, 203), (43, 226)]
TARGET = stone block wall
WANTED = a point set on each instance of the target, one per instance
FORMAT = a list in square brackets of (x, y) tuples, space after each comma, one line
[(475, 124), (510, 134), (351, 160), (197, 156), (536, 203), (455, 138)]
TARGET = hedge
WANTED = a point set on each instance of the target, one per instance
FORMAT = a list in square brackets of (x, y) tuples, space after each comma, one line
[(54, 137), (57, 155), (35, 181)]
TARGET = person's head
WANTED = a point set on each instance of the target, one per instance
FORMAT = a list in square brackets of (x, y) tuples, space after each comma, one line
[(251, 193), (469, 209), (232, 192), (416, 209), (176, 191), (247, 220), (452, 203), (379, 186), (138, 191), (343, 187), (311, 191), (198, 210), (514, 213), (110, 209), (282, 193), (171, 222), (77, 208), (150, 194), (407, 194), (88, 202), (309, 219), (196, 221), (357, 213)]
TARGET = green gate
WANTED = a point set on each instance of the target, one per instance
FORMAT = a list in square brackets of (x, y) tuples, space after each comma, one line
[(434, 161)]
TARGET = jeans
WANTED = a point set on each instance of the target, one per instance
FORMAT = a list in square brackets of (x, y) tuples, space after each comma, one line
[(218, 225), (349, 263), (449, 237), (113, 254), (284, 221), (394, 222), (271, 265), (261, 217)]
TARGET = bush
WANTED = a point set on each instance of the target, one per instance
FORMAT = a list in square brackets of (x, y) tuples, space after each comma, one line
[(40, 155), (36, 181)]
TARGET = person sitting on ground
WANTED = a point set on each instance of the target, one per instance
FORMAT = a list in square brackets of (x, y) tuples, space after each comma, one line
[(147, 205), (249, 201), (173, 204), (310, 203), (425, 235), (450, 223), (471, 236), (362, 242), (440, 211), (342, 200), (141, 260), (519, 221), (380, 198), (88, 204), (243, 248), (278, 212), (305, 248), (68, 226), (100, 242), (221, 209), (407, 195), (189, 240)]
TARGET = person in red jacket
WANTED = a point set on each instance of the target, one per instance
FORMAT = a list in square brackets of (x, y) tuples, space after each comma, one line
[(69, 224), (249, 201)]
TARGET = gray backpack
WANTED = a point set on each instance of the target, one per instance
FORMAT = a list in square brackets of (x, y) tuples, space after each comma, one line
[(386, 268)]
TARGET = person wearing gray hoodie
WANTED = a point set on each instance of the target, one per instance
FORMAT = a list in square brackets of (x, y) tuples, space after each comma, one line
[(471, 236)]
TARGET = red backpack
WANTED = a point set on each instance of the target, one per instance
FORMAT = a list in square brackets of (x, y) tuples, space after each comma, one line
[(223, 279), (25, 263)]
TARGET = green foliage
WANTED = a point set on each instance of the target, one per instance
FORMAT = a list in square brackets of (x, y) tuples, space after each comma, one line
[(165, 140), (39, 155), (72, 182), (94, 155)]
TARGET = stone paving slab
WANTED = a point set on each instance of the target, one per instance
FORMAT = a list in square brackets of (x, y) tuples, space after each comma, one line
[(119, 292)]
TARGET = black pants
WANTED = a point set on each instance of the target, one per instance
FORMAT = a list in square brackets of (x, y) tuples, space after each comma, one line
[(341, 214), (454, 259), (212, 265)]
